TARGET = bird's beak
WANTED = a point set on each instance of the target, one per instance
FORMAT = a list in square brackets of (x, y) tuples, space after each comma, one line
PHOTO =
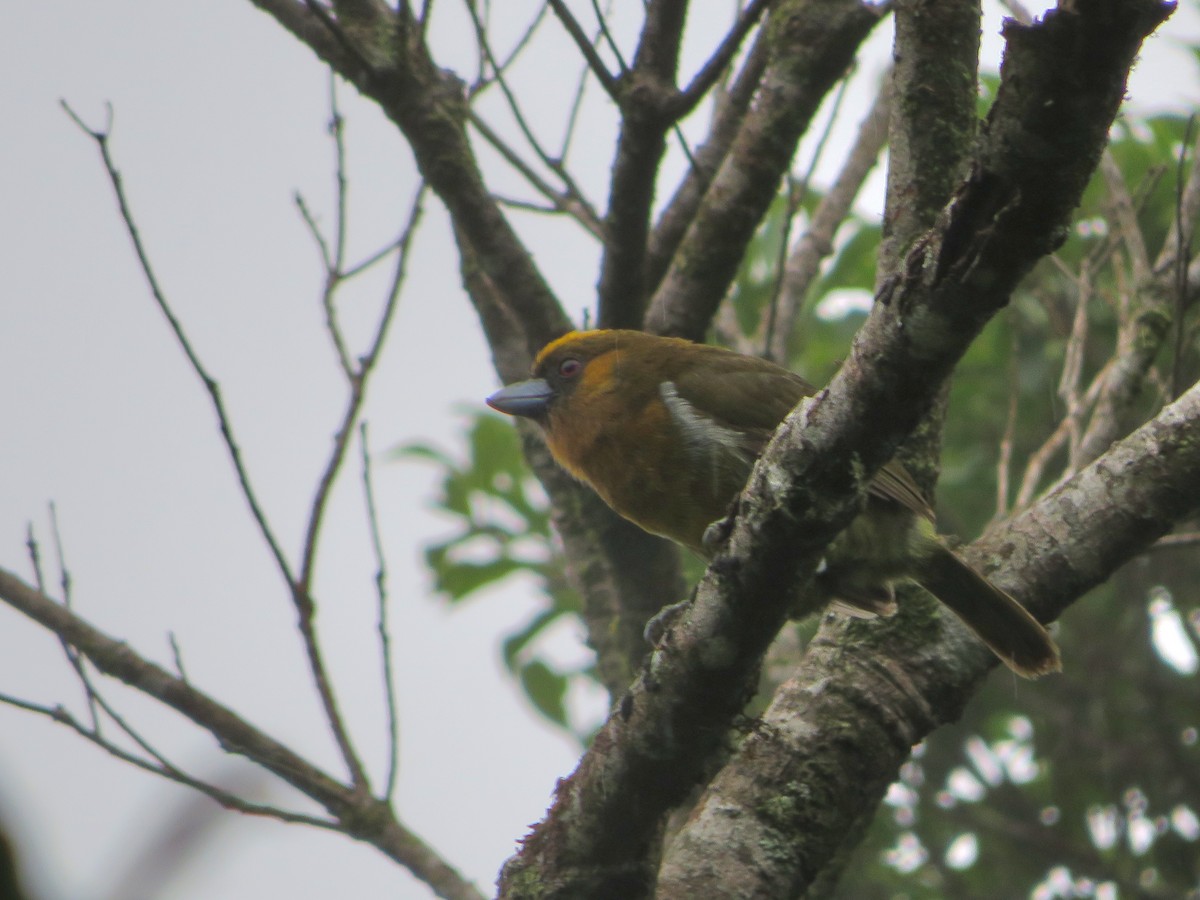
[(525, 398)]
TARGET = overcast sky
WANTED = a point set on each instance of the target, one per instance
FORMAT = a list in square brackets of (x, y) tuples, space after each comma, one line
[(220, 118)]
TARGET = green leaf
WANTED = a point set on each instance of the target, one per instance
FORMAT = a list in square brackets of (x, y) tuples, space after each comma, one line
[(547, 689)]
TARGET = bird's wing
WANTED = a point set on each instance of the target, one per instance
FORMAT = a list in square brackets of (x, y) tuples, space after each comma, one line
[(753, 396), (743, 393)]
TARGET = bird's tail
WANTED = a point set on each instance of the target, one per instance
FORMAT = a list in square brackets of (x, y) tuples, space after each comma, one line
[(998, 620)]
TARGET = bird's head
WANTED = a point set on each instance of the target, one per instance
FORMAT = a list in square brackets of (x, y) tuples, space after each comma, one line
[(595, 371)]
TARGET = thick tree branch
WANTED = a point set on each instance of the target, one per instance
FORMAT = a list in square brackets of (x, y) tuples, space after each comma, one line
[(810, 46), (640, 148), (935, 85), (599, 838), (935, 90), (706, 160), (835, 736)]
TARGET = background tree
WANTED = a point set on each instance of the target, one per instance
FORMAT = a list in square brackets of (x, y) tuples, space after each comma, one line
[(1104, 323)]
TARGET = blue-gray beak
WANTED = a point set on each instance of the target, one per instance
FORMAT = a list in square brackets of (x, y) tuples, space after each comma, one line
[(525, 398)]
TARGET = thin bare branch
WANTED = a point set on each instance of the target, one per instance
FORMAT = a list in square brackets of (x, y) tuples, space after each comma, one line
[(1009, 439), (310, 222), (573, 116), (796, 194), (302, 592), (341, 37), (681, 210), (570, 201), (211, 385), (510, 97), (602, 31), (1145, 324), (335, 262), (500, 66), (641, 144), (1124, 217), (73, 658), (816, 244), (356, 813), (607, 80), (1183, 228), (1072, 369), (165, 770), (713, 69), (385, 639)]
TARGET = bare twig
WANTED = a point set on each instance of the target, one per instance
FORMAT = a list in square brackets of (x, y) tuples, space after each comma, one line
[(1124, 216), (715, 66), (177, 656), (796, 194), (826, 37), (385, 640), (607, 80), (573, 116), (1009, 438), (1072, 369), (339, 35), (1039, 461), (1183, 253), (92, 696), (682, 208), (302, 592), (499, 66), (602, 28), (336, 262), (1182, 539), (101, 137), (1144, 324), (815, 245), (311, 222), (354, 812), (570, 201), (510, 98), (166, 770)]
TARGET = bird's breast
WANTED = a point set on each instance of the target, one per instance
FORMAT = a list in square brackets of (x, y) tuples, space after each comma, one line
[(661, 464)]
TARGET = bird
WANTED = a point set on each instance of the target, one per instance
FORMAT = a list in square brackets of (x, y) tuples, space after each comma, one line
[(666, 431)]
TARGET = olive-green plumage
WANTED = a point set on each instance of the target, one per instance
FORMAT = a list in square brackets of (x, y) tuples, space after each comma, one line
[(666, 432)]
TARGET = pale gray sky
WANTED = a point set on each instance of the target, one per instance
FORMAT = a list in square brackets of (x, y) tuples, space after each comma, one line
[(220, 117)]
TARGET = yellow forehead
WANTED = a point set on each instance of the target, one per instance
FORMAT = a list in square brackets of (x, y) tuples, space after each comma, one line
[(588, 343), (555, 344)]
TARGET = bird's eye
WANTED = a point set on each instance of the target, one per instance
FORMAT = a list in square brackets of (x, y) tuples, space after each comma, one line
[(570, 367)]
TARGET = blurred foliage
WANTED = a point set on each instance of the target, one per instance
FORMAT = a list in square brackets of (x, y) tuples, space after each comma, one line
[(501, 528), (1083, 785)]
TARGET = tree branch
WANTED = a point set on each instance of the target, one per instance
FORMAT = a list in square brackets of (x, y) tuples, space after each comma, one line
[(640, 148), (706, 160), (599, 838), (429, 106), (607, 80), (810, 46), (835, 736), (714, 68), (358, 814), (804, 263)]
